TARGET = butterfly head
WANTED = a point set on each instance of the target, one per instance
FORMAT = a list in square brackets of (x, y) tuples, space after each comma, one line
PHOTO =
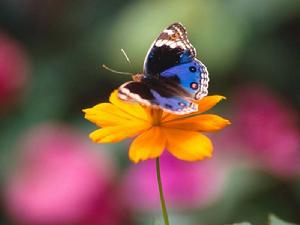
[(138, 77)]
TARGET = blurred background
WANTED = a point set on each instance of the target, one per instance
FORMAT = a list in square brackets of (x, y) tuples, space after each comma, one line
[(51, 54)]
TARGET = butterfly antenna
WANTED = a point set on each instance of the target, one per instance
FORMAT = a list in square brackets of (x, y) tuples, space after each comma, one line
[(115, 71), (124, 53), (120, 72), (127, 59)]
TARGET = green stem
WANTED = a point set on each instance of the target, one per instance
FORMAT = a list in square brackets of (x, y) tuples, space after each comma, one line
[(161, 194)]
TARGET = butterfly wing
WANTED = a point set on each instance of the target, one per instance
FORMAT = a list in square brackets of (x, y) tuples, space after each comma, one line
[(171, 48), (156, 97), (172, 75), (173, 56)]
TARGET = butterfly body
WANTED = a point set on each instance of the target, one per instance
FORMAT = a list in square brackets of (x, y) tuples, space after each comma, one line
[(172, 76)]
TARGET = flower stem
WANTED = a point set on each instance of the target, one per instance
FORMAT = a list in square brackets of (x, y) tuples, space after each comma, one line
[(161, 194)]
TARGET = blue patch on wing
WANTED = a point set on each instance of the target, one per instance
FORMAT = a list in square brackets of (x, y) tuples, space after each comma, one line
[(189, 75), (185, 57)]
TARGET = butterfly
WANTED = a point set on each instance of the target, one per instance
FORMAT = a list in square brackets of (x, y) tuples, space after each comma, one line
[(172, 76)]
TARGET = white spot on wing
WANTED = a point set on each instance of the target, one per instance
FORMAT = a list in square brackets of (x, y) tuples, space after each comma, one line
[(203, 91), (158, 43), (180, 44), (164, 42), (169, 32), (173, 45), (168, 43)]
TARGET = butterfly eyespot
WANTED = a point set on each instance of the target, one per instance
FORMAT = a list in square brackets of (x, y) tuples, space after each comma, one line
[(192, 69), (194, 86), (168, 106), (181, 104)]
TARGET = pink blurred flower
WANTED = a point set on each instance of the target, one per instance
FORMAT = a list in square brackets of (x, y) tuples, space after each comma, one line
[(186, 185), (14, 69), (268, 128), (60, 180)]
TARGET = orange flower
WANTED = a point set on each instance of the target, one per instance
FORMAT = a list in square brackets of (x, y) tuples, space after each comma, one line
[(156, 130)]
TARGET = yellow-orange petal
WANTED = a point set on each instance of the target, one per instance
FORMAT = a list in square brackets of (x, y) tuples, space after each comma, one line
[(118, 133), (188, 145), (204, 105), (208, 102), (147, 145), (131, 108), (202, 123), (107, 114)]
